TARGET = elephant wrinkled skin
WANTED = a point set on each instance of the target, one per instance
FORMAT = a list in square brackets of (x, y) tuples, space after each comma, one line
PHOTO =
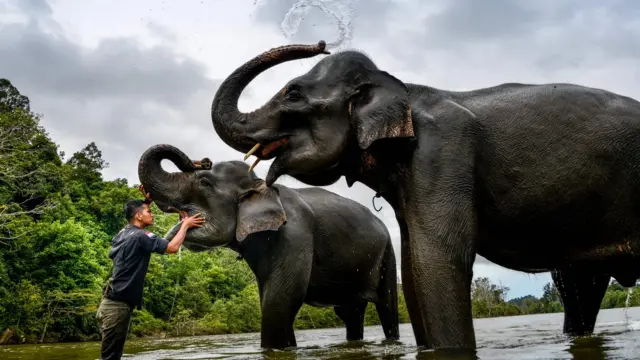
[(303, 245), (535, 178)]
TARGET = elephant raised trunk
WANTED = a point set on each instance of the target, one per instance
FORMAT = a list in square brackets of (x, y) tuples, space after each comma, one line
[(228, 121), (165, 188)]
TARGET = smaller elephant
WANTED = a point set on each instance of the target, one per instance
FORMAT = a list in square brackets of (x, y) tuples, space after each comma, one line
[(305, 246)]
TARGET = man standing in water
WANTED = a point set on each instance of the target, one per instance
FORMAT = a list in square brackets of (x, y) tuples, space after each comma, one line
[(130, 251)]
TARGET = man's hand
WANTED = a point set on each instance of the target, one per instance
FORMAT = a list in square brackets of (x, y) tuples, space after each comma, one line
[(187, 222), (147, 196), (193, 221)]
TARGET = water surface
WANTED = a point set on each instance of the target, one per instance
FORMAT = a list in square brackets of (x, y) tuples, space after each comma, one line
[(617, 336)]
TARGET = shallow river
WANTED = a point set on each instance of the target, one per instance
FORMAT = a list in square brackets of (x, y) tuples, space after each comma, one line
[(518, 337)]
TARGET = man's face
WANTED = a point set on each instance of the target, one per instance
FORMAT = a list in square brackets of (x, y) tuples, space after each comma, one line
[(145, 216)]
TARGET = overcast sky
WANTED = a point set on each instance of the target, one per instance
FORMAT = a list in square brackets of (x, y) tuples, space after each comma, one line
[(131, 74)]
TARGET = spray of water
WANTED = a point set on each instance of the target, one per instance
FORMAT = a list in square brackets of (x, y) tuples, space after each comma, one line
[(626, 307), (341, 10)]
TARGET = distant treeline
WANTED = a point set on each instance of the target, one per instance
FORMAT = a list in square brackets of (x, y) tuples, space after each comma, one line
[(57, 218)]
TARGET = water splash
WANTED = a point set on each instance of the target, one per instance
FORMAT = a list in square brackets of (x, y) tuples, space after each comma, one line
[(340, 10), (627, 302)]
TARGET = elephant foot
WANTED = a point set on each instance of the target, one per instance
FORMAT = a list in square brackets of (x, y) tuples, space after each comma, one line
[(278, 341)]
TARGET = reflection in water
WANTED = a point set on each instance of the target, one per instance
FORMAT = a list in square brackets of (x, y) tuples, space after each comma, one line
[(588, 348), (446, 355), (507, 338)]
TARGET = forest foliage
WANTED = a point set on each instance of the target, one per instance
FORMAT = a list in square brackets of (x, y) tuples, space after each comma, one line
[(58, 216)]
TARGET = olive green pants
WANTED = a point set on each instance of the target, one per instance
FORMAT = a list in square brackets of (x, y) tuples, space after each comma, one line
[(114, 318)]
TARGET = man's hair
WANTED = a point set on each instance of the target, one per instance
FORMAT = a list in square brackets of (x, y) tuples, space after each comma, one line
[(132, 207)]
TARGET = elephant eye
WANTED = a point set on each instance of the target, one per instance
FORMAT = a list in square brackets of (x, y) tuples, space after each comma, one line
[(205, 182), (294, 96)]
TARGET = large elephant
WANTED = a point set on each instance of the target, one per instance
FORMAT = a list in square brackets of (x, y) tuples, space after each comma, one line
[(532, 177), (303, 245)]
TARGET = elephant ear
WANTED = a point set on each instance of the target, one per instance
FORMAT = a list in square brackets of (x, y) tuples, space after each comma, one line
[(380, 109), (259, 209)]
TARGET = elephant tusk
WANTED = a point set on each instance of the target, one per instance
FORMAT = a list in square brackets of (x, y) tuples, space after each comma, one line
[(254, 165), (181, 213), (253, 149)]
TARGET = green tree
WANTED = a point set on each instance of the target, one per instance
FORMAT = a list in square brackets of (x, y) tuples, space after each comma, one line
[(11, 99), (488, 299), (551, 299), (86, 165), (30, 173)]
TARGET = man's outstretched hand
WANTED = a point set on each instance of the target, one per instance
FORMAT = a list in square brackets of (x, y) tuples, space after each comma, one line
[(146, 195), (189, 221), (193, 221)]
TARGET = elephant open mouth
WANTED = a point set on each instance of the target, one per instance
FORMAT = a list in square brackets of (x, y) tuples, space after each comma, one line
[(183, 211), (194, 235), (272, 150)]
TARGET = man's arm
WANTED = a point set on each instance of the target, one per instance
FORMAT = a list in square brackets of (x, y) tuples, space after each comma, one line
[(153, 243), (187, 222), (176, 242)]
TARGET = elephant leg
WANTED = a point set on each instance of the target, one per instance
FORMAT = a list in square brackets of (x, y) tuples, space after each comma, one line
[(281, 297), (292, 338), (353, 318), (442, 234), (408, 287), (278, 314), (285, 276), (581, 294), (387, 304)]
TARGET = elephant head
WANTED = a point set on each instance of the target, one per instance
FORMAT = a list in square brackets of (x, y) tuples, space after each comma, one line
[(318, 123), (234, 202)]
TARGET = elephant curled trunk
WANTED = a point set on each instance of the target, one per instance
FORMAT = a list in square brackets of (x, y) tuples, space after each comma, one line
[(164, 187), (227, 119)]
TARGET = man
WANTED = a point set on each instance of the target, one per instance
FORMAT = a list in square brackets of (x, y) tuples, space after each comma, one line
[(130, 251)]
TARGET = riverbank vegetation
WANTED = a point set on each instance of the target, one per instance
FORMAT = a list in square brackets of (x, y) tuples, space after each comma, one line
[(57, 218)]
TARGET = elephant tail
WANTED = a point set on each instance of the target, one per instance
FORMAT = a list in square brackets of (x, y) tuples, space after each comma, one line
[(387, 305)]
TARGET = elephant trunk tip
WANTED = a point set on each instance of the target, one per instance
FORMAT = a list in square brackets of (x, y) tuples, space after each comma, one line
[(322, 45)]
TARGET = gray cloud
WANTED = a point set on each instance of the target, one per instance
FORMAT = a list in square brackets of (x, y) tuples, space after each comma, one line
[(162, 32), (120, 94), (461, 21), (115, 69), (34, 7), (548, 35)]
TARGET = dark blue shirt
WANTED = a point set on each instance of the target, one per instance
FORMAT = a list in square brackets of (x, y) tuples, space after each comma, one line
[(130, 251)]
